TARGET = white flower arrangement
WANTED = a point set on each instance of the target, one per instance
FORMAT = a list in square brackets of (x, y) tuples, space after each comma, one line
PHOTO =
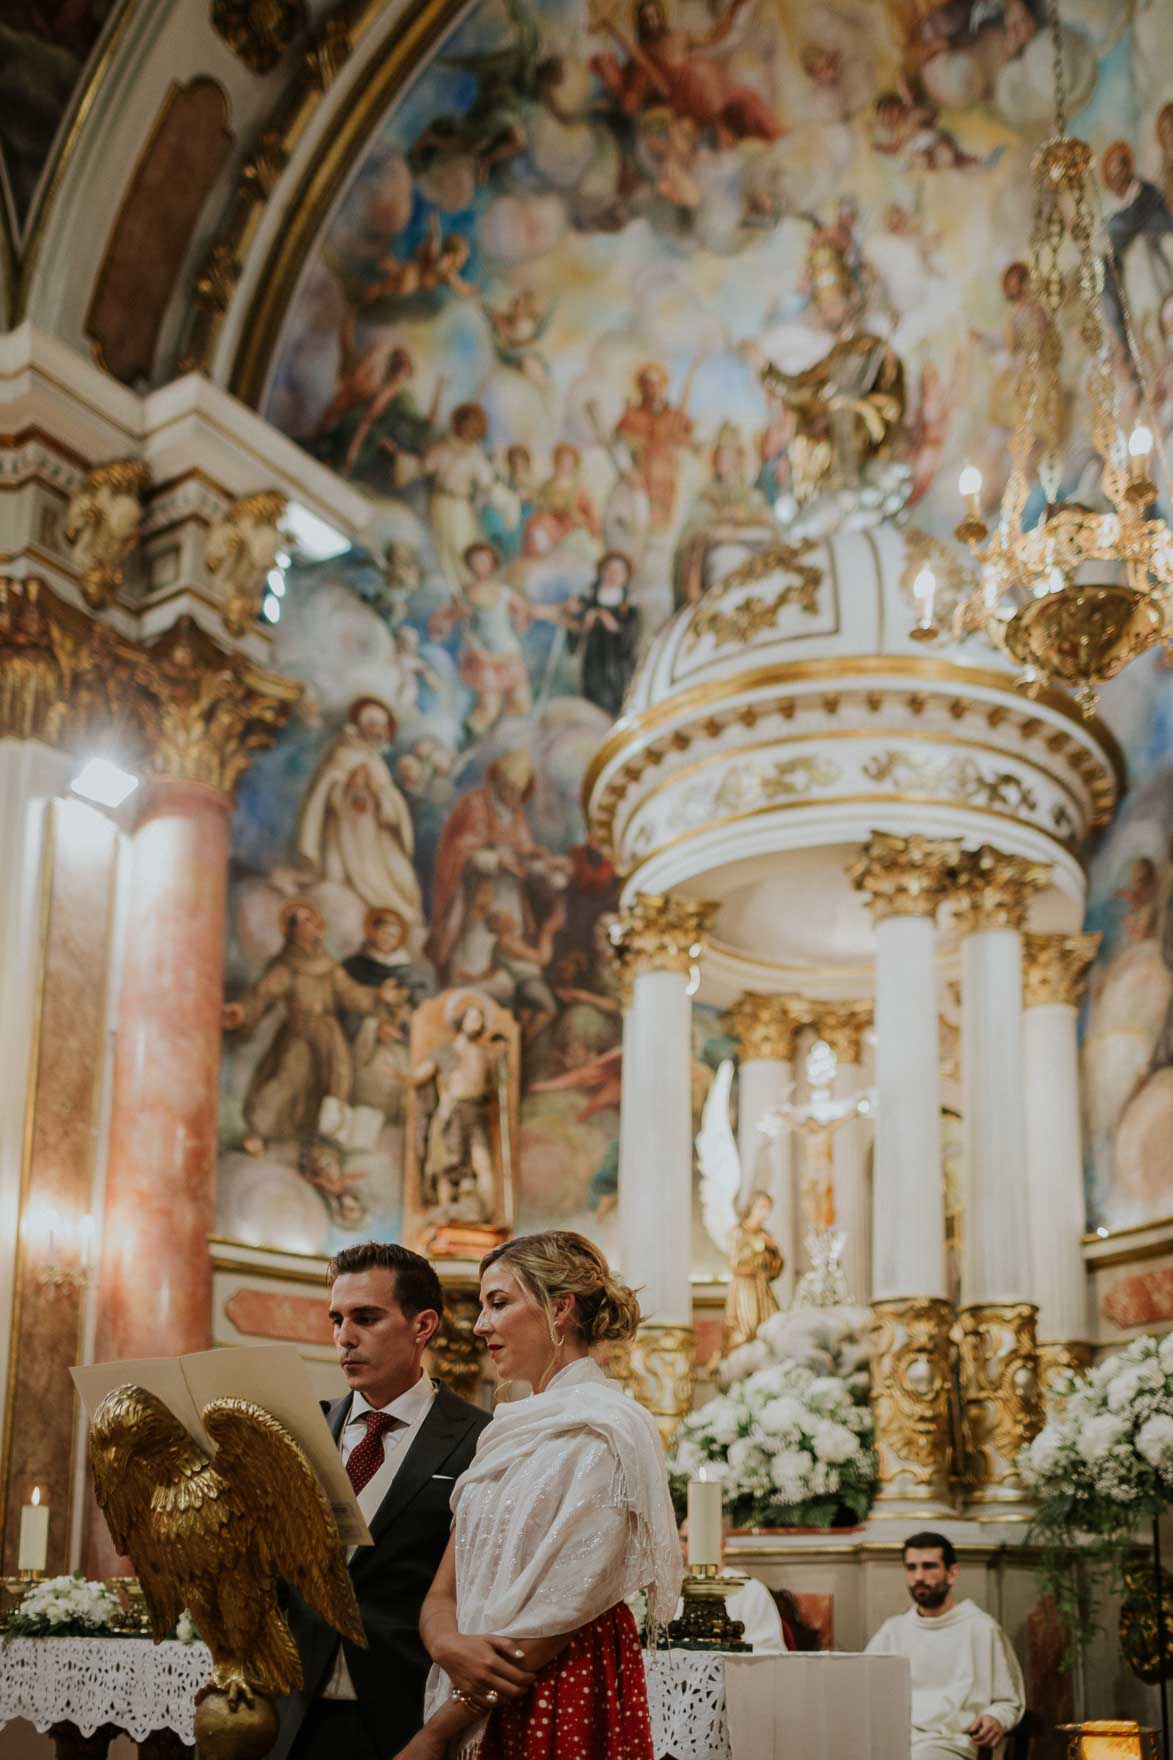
[(793, 1449), (1108, 1451), (1102, 1470), (65, 1607)]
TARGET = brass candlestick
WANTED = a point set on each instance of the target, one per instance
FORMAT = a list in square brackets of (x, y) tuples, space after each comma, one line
[(704, 1623)]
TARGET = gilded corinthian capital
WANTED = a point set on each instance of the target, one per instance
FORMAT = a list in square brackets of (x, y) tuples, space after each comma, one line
[(1055, 968), (843, 1025), (180, 706), (766, 1027), (994, 890), (904, 876), (659, 932)]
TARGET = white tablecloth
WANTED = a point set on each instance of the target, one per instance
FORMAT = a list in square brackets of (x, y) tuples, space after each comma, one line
[(131, 1682), (836, 1706)]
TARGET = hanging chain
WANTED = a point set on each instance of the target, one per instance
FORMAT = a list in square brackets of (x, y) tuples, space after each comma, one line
[(1057, 68)]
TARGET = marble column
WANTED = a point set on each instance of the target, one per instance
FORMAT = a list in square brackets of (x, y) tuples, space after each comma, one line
[(843, 1025), (659, 937), (201, 712), (766, 1028), (999, 1364), (1055, 969), (905, 879)]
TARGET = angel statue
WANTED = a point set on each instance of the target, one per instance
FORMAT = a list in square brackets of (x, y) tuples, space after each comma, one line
[(755, 1258), (214, 1536)]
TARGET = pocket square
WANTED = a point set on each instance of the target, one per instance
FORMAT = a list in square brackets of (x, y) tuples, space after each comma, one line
[(451, 1477)]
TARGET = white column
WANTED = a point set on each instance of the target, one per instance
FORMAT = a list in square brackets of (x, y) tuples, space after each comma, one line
[(843, 1026), (908, 1255), (905, 878), (1055, 969), (765, 1028), (999, 1355), (655, 1147)]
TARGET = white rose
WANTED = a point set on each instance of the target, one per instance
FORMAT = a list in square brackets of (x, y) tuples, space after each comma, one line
[(689, 1458), (1165, 1352), (1123, 1388), (1154, 1440), (783, 1416), (747, 1456), (835, 1442), (1099, 1436), (725, 1420), (1046, 1449), (790, 1471)]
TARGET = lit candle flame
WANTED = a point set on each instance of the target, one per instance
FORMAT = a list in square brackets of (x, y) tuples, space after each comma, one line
[(36, 1494), (1140, 442), (970, 480)]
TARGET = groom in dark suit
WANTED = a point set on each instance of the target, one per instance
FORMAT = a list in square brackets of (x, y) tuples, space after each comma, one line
[(405, 1441)]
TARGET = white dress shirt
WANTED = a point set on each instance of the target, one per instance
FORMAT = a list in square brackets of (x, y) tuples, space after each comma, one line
[(411, 1408)]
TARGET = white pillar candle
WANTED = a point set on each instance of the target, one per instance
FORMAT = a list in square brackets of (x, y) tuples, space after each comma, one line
[(655, 1147), (34, 1534), (704, 1522)]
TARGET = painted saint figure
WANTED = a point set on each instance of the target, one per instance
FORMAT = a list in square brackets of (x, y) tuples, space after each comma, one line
[(664, 67), (354, 825), (608, 629), (309, 1059), (654, 432)]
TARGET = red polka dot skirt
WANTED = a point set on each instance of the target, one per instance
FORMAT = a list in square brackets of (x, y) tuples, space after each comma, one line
[(590, 1703)]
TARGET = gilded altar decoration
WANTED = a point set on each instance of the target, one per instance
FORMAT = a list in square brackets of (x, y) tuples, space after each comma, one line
[(1058, 1363), (1055, 968), (660, 1374), (950, 779), (993, 890), (460, 1177), (661, 932), (241, 548), (264, 165), (1001, 1407), (43, 644), (911, 1390), (215, 1535), (751, 616), (102, 525), (767, 1027), (904, 876), (456, 1351), (1146, 1642), (259, 34)]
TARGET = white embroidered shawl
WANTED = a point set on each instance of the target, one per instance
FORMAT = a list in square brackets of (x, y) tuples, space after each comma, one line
[(564, 1511)]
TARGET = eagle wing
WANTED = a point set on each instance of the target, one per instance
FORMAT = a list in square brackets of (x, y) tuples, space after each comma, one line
[(720, 1162), (129, 1479), (274, 1488)]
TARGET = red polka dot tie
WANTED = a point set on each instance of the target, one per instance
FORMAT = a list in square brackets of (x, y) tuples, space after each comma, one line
[(366, 1457)]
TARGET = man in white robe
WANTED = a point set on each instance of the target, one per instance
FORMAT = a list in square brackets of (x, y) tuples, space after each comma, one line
[(967, 1689), (354, 825)]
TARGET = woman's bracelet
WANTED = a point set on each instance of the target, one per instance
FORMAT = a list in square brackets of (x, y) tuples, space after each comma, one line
[(463, 1699)]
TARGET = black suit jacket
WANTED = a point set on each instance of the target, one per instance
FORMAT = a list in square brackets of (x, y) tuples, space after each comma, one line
[(391, 1577)]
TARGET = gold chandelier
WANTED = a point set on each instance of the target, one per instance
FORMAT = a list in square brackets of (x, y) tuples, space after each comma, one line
[(1083, 592)]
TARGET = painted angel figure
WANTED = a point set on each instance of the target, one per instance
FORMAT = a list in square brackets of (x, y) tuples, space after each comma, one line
[(755, 1257)]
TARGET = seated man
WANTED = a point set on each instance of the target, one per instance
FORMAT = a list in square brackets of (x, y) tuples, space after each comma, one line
[(966, 1683)]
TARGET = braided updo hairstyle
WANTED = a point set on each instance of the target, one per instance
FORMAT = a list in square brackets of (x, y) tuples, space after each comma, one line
[(561, 1263)]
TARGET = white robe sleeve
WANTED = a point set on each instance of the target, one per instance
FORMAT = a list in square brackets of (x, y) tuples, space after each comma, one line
[(1008, 1694), (758, 1612)]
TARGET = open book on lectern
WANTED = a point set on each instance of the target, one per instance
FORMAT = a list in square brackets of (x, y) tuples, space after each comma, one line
[(272, 1376)]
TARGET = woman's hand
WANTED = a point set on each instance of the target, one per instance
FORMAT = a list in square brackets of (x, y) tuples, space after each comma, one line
[(483, 1666)]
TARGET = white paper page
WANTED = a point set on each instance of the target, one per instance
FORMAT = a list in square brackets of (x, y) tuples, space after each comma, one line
[(274, 1377), (162, 1376)]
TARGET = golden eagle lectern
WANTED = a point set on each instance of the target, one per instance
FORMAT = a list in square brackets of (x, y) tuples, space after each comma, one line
[(214, 1535)]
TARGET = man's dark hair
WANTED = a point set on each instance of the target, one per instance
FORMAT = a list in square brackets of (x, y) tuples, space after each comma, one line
[(416, 1284), (927, 1541)]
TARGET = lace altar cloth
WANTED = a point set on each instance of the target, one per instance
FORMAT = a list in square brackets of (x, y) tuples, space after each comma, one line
[(130, 1682)]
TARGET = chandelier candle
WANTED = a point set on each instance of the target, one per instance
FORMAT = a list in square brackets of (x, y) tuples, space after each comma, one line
[(704, 1523)]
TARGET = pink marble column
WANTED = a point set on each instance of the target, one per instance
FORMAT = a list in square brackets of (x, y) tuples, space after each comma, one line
[(155, 1291)]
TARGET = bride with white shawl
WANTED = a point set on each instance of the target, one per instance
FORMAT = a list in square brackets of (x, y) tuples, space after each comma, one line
[(564, 1513)]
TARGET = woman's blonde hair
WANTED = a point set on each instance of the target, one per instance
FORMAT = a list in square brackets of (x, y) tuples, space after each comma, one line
[(560, 1263)]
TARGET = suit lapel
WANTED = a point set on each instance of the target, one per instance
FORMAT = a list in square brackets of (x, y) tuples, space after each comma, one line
[(336, 1415), (434, 1441)]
